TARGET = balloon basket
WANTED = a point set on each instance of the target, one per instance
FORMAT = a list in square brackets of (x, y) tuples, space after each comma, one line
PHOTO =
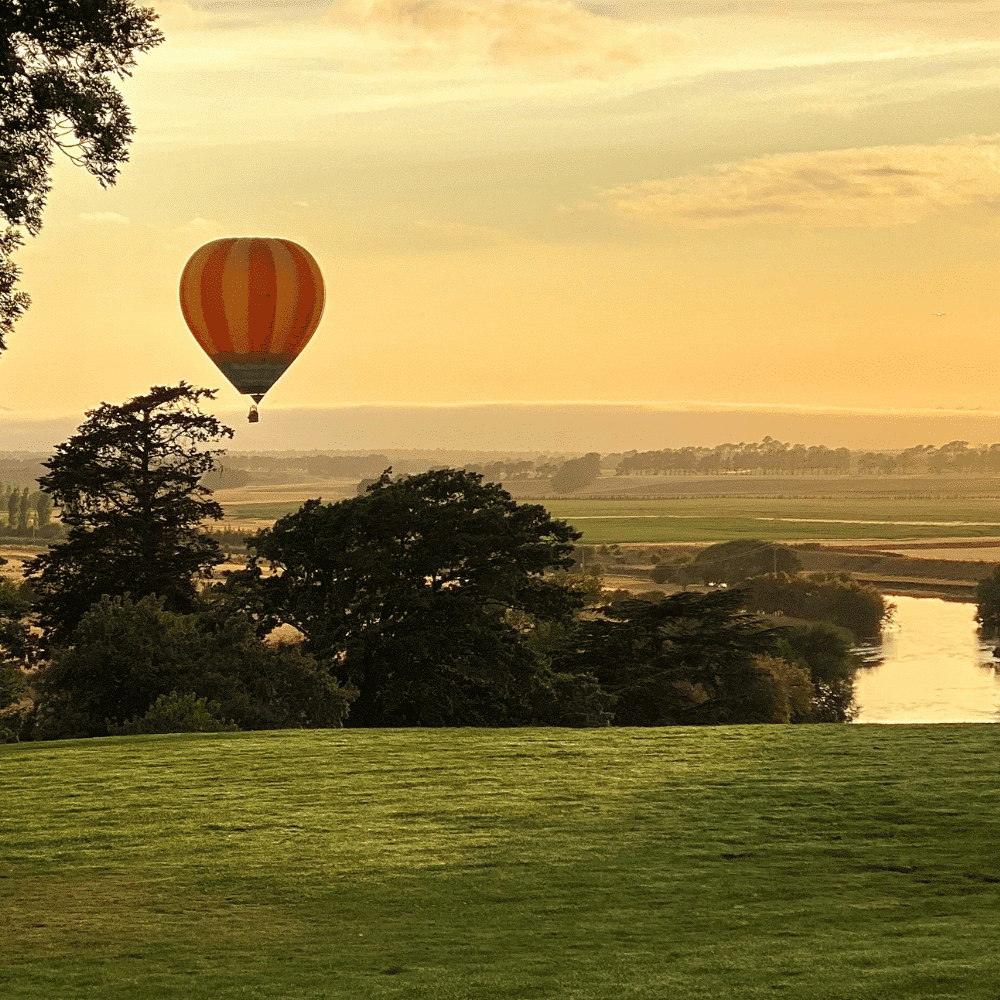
[(253, 416)]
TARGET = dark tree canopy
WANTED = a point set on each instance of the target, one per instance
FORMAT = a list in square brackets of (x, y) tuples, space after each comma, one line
[(836, 598), (988, 603), (689, 659), (58, 63), (124, 655), (129, 484), (408, 589), (576, 473), (738, 560)]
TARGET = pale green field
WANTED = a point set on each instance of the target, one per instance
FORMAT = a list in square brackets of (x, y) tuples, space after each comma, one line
[(809, 862), (713, 518)]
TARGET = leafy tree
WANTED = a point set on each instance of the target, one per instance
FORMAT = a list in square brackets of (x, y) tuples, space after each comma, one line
[(988, 603), (15, 649), (577, 473), (408, 591), (13, 506), (791, 691), (129, 486), (22, 510), (123, 655), (57, 62), (836, 598), (738, 560), (688, 659), (43, 508), (826, 653)]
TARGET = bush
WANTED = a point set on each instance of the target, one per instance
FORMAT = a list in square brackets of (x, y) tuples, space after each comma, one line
[(789, 687), (825, 651), (124, 655), (173, 713), (988, 603), (739, 560), (836, 598)]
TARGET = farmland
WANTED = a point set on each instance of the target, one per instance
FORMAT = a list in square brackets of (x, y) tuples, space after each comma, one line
[(821, 862), (712, 508)]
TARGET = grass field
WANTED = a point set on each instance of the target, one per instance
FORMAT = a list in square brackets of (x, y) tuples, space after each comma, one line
[(808, 862), (713, 518)]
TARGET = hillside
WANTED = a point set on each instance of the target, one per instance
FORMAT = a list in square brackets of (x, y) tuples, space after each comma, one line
[(818, 861)]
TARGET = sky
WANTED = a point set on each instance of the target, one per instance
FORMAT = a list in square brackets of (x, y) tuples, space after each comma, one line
[(675, 207)]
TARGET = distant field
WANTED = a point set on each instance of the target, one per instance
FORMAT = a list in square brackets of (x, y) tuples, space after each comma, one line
[(808, 862), (713, 509), (721, 518)]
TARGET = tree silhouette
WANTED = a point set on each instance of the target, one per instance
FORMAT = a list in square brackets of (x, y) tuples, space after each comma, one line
[(129, 486)]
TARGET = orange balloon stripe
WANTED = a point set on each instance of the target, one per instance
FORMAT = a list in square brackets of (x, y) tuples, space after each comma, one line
[(236, 295), (311, 299), (213, 297), (287, 295), (191, 305), (262, 291)]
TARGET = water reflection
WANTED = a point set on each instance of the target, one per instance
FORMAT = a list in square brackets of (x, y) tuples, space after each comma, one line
[(931, 666)]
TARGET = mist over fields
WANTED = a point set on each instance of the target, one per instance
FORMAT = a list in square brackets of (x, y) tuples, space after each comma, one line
[(546, 427)]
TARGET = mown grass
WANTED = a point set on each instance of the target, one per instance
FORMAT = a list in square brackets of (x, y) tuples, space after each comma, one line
[(809, 862)]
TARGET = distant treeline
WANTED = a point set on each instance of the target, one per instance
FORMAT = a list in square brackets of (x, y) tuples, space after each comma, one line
[(770, 457)]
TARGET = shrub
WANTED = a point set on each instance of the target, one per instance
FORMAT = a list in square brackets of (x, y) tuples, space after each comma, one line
[(125, 655), (988, 603), (825, 651), (743, 558), (836, 598), (174, 713)]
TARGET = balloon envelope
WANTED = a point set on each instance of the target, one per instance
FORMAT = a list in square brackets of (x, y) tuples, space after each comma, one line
[(252, 303)]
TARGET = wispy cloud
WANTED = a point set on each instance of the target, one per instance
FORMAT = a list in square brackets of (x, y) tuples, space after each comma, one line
[(178, 14), (539, 33), (872, 187), (200, 225), (104, 217)]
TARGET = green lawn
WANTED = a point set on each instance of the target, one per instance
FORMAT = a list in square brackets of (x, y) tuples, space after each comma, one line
[(810, 862)]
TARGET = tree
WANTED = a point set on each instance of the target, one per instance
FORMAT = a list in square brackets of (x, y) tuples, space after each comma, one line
[(688, 659), (57, 62), (825, 652), (738, 560), (124, 655), (15, 649), (577, 473), (13, 506), (129, 486), (43, 508), (23, 509), (836, 598), (408, 591), (988, 603)]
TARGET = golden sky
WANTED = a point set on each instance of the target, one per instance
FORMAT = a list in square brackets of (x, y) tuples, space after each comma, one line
[(747, 204)]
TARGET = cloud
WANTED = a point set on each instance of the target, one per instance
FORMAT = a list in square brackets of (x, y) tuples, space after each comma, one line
[(178, 14), (200, 225), (538, 33), (102, 217), (874, 187)]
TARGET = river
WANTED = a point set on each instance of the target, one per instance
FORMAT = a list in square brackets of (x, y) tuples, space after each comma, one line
[(931, 666)]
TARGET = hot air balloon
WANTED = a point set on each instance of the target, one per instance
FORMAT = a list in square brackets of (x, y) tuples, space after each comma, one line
[(252, 303)]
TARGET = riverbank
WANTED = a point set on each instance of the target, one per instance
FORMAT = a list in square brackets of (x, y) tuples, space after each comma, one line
[(947, 568)]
